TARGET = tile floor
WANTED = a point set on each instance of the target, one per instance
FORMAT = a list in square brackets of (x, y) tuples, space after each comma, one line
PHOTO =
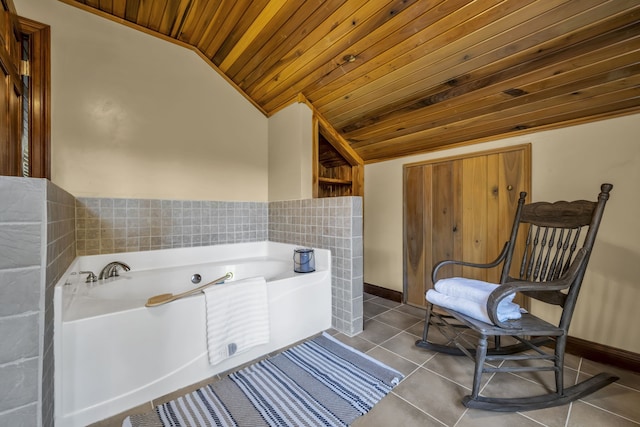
[(434, 384)]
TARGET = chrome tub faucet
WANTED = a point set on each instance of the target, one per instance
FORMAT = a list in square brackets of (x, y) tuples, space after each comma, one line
[(111, 269)]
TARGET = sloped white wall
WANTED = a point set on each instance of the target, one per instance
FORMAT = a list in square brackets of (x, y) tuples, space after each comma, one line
[(134, 116)]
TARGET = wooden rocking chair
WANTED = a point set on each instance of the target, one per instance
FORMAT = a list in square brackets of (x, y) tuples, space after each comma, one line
[(551, 270)]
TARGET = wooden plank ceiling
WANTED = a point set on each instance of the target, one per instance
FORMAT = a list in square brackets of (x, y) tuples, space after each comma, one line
[(400, 77)]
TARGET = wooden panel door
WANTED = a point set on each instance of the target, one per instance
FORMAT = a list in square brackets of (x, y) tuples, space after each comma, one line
[(459, 208), (416, 232)]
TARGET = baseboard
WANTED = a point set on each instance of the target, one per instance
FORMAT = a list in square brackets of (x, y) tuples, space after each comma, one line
[(589, 350), (603, 354), (383, 292)]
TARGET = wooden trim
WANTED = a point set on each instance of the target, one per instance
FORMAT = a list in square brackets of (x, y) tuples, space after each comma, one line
[(338, 142), (40, 98), (299, 99), (604, 354), (314, 158), (332, 136), (383, 292), (223, 75)]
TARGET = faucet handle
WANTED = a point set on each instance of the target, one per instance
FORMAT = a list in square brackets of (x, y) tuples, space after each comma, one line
[(90, 276)]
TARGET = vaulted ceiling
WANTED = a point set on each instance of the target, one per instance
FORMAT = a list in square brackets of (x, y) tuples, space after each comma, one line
[(400, 77)]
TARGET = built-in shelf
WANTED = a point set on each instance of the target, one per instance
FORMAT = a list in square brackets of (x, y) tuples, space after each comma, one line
[(338, 170)]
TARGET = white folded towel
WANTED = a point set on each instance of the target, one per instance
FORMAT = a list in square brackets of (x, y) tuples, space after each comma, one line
[(474, 290), (474, 309), (470, 297), (237, 317)]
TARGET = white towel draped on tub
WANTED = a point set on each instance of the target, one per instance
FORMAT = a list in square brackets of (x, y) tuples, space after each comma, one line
[(237, 317)]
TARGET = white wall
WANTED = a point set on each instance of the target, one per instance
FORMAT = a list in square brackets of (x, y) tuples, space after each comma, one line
[(290, 153), (134, 116), (568, 163)]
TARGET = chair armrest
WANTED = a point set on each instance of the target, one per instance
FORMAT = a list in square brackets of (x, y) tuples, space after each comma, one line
[(492, 264), (559, 284)]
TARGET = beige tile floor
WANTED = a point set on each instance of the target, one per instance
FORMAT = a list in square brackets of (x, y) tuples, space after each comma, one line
[(434, 384)]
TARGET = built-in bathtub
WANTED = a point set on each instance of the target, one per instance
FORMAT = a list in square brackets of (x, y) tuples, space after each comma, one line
[(112, 353)]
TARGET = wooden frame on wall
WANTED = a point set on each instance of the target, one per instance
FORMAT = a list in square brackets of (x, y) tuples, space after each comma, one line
[(40, 96)]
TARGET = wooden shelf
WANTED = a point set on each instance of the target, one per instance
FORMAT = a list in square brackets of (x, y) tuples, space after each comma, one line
[(337, 169), (325, 180)]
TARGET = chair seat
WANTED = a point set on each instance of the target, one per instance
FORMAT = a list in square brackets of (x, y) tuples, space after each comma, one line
[(527, 325)]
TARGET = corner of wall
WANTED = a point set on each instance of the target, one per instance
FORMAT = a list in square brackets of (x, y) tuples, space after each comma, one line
[(290, 153)]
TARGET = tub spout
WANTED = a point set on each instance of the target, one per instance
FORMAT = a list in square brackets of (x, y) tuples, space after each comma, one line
[(111, 269)]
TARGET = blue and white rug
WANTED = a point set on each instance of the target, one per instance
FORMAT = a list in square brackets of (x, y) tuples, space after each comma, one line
[(320, 382)]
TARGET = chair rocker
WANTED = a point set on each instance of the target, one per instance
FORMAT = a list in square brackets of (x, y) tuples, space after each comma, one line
[(551, 270)]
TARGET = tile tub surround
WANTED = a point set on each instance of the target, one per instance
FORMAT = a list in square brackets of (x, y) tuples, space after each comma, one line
[(61, 251), (105, 225), (333, 223), (36, 246), (38, 241)]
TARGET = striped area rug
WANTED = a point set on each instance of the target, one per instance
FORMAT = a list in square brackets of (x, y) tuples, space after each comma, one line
[(320, 382)]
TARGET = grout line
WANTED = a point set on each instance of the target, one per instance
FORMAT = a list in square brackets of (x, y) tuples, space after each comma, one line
[(417, 407), (418, 365), (523, 414), (443, 377), (609, 412), (578, 371), (566, 422)]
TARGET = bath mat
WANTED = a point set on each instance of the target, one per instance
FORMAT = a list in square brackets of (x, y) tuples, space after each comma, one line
[(320, 382)]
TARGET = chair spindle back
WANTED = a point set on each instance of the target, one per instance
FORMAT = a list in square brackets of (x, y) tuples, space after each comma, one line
[(554, 232)]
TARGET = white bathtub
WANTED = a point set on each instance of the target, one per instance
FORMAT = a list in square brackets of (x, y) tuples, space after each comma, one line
[(112, 353)]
